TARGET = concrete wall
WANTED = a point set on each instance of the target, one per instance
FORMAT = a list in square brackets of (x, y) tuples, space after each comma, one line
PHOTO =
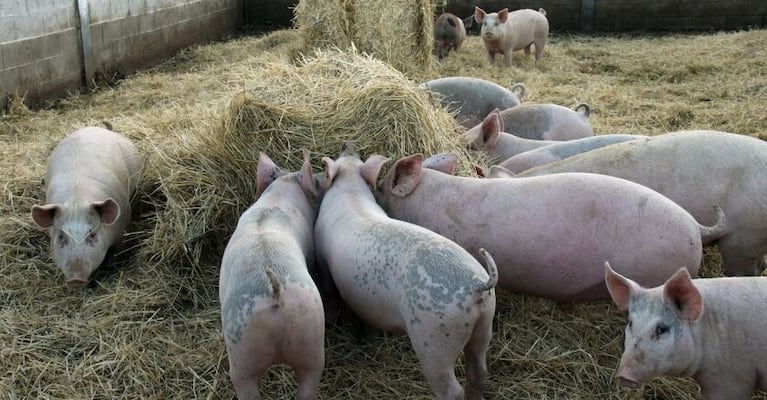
[(44, 53), (631, 15)]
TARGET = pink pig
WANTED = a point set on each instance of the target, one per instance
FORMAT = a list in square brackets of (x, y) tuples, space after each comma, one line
[(550, 236), (403, 278), (713, 330), (271, 310), (505, 32), (92, 175)]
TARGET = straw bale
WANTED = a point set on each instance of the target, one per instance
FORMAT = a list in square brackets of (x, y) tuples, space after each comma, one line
[(399, 32), (205, 181)]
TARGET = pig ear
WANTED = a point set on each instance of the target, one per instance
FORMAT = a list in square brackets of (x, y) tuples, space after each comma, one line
[(371, 168), (496, 171), (266, 173), (491, 126), (108, 210), (331, 169), (620, 287), (43, 215), (503, 15), (519, 89), (479, 14), (480, 172), (405, 175), (681, 294), (468, 22), (443, 162), (305, 177)]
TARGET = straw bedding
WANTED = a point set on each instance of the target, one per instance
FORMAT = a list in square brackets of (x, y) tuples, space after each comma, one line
[(149, 324)]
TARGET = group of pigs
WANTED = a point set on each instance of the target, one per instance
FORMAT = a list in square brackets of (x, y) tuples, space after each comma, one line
[(562, 214)]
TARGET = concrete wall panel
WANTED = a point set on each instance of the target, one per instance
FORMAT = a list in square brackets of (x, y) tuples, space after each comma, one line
[(41, 45)]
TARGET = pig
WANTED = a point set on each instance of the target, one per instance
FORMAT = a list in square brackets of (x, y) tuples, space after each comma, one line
[(561, 150), (449, 34), (400, 277), (551, 236), (547, 121), (271, 310), (505, 32), (489, 137), (695, 169), (471, 99), (91, 176), (712, 329)]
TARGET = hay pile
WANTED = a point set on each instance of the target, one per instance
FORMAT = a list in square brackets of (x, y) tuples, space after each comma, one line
[(205, 182), (399, 32), (149, 325)]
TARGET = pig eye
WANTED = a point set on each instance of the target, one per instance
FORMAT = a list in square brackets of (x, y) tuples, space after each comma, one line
[(661, 329), (630, 324), (91, 237), (61, 237)]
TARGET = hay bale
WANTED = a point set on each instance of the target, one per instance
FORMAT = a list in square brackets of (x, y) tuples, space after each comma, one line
[(324, 23), (204, 182), (399, 33)]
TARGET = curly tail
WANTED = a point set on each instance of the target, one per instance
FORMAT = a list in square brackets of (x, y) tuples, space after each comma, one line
[(276, 287), (492, 270), (710, 233)]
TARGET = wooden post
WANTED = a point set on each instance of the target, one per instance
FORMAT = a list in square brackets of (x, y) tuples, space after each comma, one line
[(86, 43)]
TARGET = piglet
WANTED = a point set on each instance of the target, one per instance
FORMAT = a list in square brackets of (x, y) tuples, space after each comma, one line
[(400, 277), (505, 32), (562, 150), (92, 175), (490, 138), (449, 34), (271, 310), (550, 236), (713, 330), (547, 121), (471, 99)]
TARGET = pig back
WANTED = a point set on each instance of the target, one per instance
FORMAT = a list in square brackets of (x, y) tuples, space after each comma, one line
[(721, 167), (472, 99), (551, 235)]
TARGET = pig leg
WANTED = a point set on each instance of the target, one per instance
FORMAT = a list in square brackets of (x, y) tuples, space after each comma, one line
[(246, 372), (475, 353), (527, 50), (740, 256), (305, 334), (437, 352), (491, 57), (507, 58), (539, 45)]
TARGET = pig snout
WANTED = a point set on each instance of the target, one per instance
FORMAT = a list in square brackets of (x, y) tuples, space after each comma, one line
[(626, 375), (77, 272), (628, 382)]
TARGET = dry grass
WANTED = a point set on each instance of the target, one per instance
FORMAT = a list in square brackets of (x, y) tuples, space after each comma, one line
[(149, 327)]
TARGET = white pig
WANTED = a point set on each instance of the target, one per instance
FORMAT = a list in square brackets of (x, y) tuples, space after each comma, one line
[(505, 32), (271, 310), (713, 330), (489, 137), (92, 174), (400, 277)]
